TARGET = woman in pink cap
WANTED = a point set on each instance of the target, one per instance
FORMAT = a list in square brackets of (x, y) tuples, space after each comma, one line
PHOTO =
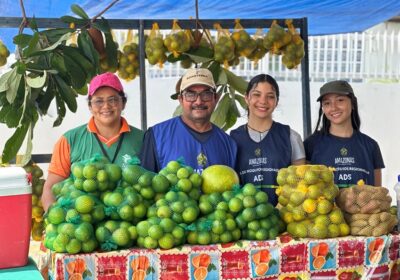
[(106, 133)]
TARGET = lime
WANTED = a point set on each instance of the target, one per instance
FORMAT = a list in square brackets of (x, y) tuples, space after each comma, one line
[(74, 246), (160, 183), (166, 241), (133, 232), (146, 179), (184, 185), (89, 171), (126, 212), (89, 185), (142, 228), (150, 243), (98, 213), (249, 190), (56, 215), (131, 173), (89, 246), (172, 178), (228, 195), (114, 172), (226, 237), (84, 232), (235, 205), (155, 232), (249, 201), (164, 212), (173, 166), (204, 238), (103, 234), (261, 197), (147, 193), (171, 196), (192, 237), (254, 225), (261, 234), (167, 224), (196, 180), (121, 237), (183, 173), (249, 214), (206, 207), (324, 206), (77, 170), (178, 232), (218, 227), (223, 205), (139, 211)]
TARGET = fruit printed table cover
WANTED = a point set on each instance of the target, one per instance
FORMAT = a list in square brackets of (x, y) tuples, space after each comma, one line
[(283, 259)]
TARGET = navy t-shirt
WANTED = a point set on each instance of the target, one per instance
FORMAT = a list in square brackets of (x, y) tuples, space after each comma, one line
[(259, 163), (354, 158)]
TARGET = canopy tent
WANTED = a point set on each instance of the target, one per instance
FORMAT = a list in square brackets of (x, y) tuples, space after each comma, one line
[(324, 16)]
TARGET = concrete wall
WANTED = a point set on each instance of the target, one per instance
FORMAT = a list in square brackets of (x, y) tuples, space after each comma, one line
[(377, 105)]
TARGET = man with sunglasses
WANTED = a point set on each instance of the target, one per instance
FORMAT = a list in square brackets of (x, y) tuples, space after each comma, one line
[(106, 133), (190, 136)]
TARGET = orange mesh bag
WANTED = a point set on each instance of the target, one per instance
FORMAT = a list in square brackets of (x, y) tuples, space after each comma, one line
[(293, 52), (224, 49), (128, 67), (154, 47), (306, 196), (259, 51), (244, 43), (179, 40)]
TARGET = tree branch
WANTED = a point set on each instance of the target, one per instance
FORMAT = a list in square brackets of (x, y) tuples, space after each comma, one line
[(103, 11)]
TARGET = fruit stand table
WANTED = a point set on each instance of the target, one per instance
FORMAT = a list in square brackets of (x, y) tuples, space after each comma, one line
[(340, 258)]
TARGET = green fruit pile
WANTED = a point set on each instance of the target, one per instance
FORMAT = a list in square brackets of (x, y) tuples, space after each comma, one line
[(125, 204), (306, 194), (70, 238), (258, 52), (158, 232), (177, 206), (224, 50), (183, 178), (128, 63), (37, 209), (114, 235), (4, 53), (276, 38)]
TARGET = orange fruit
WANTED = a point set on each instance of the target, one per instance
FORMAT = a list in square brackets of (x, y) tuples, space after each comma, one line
[(319, 262), (314, 251), (262, 256), (80, 266), (261, 269), (70, 267), (140, 263), (202, 260), (375, 244), (75, 276), (374, 257), (139, 275), (323, 249), (200, 273)]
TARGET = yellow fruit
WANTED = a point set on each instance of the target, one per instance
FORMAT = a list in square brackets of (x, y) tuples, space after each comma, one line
[(309, 205), (324, 206), (218, 178)]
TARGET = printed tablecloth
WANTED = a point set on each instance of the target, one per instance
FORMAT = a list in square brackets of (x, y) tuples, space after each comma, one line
[(283, 259)]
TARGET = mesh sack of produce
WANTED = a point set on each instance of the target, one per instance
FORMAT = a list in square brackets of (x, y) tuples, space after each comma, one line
[(128, 66), (179, 40), (154, 47), (307, 193), (259, 51), (244, 43), (293, 52), (276, 38), (371, 224), (364, 199), (224, 49)]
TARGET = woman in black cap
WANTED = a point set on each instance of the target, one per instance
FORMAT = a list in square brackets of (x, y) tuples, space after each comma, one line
[(338, 142)]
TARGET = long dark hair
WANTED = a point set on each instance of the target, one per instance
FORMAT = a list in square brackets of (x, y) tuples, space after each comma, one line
[(326, 124), (263, 78)]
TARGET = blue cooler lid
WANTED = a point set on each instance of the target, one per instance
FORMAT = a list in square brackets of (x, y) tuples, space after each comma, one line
[(13, 181)]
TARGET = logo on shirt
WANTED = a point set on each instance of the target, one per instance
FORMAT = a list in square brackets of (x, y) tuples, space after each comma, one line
[(202, 159), (257, 152), (344, 159)]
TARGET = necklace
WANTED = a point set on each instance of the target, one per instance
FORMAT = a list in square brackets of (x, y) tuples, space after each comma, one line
[(256, 130), (121, 139)]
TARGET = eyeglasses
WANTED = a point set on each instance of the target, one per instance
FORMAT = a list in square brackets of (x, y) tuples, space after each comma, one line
[(191, 96), (112, 101)]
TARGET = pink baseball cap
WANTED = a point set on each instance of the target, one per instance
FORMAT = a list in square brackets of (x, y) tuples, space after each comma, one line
[(105, 80)]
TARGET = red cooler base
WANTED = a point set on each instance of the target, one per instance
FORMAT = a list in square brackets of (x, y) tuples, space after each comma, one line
[(15, 221)]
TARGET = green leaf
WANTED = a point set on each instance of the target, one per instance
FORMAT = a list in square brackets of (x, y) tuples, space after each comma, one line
[(38, 81), (76, 9), (54, 34), (238, 83), (111, 49), (6, 79), (67, 94), (44, 100), (241, 101), (28, 152), (14, 143), (201, 54), (32, 46), (232, 115), (13, 87), (78, 57), (219, 115), (33, 24), (215, 69), (85, 44), (5, 110), (77, 21), (22, 40), (101, 25), (60, 109), (178, 111), (75, 71), (222, 78), (62, 39), (272, 262)]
